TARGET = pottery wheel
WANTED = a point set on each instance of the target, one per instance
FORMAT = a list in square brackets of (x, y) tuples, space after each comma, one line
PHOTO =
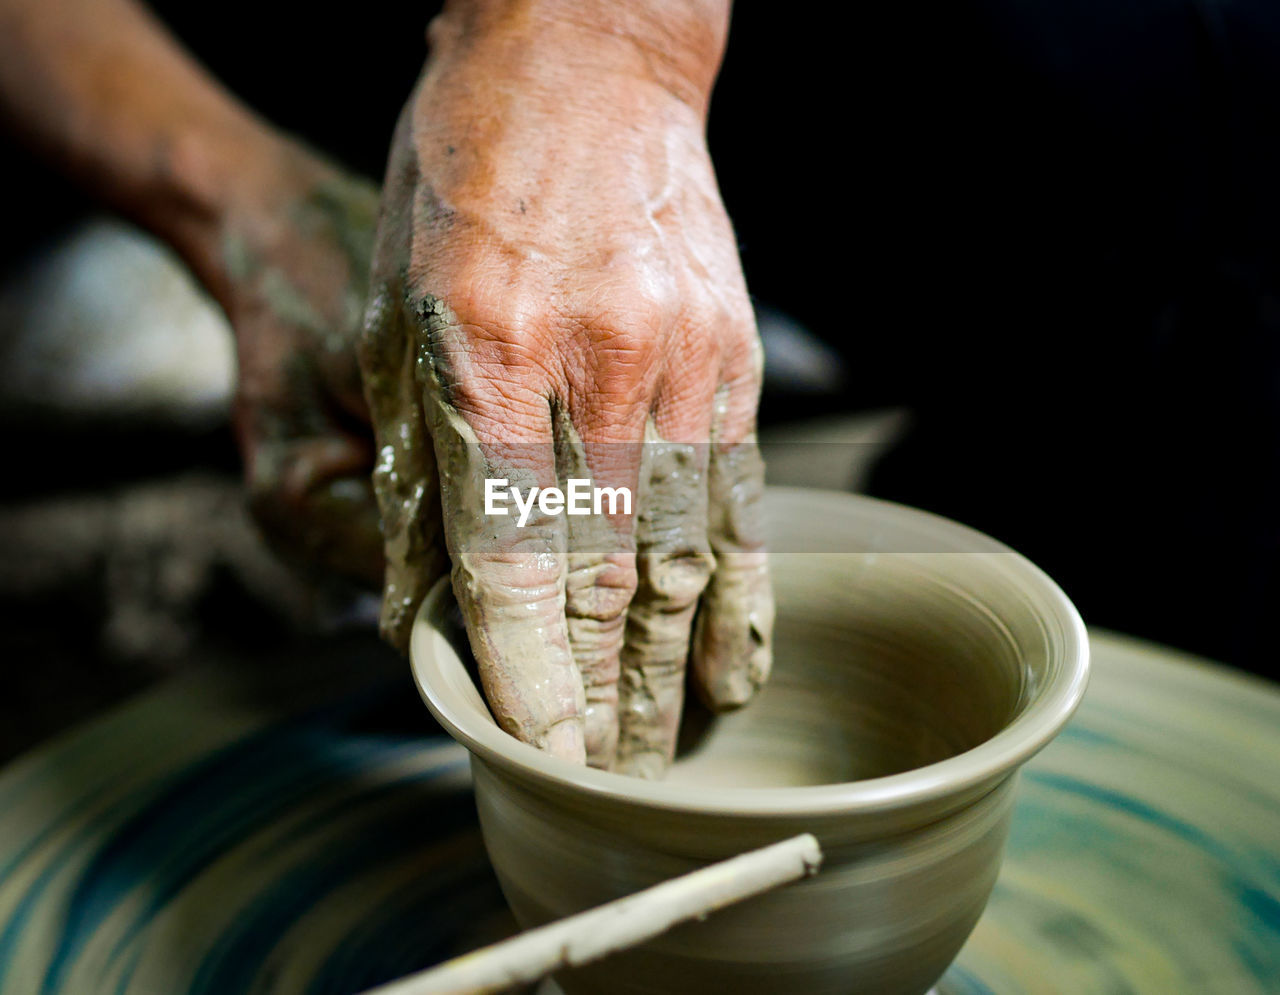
[(198, 840)]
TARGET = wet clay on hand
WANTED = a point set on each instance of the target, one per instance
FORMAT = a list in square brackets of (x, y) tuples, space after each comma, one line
[(293, 279), (597, 681), (523, 332)]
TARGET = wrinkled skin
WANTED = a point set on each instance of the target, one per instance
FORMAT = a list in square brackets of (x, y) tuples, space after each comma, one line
[(555, 281)]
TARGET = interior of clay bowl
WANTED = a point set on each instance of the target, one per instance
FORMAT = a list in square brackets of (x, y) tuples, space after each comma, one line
[(879, 669), (913, 656)]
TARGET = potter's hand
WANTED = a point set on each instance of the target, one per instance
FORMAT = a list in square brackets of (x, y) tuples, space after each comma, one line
[(291, 273), (280, 238), (556, 282)]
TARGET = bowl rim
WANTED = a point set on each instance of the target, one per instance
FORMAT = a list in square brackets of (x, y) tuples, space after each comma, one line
[(1039, 722)]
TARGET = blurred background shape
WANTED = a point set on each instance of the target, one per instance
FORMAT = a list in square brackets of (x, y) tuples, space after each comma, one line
[(108, 324)]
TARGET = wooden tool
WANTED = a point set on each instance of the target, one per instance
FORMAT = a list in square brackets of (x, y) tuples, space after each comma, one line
[(615, 925)]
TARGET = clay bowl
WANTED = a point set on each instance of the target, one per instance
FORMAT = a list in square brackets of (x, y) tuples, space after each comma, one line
[(916, 668)]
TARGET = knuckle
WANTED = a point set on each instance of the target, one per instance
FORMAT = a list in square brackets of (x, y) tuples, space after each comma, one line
[(510, 330), (602, 590), (677, 581), (515, 584), (624, 339), (486, 302), (496, 389), (699, 345), (625, 353), (601, 603)]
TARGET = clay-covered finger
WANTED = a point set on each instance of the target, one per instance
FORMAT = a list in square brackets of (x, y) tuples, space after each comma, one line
[(602, 573), (673, 564), (732, 648), (599, 587), (404, 475), (507, 544)]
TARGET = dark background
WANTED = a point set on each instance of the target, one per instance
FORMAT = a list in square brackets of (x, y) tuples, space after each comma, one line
[(1049, 230)]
